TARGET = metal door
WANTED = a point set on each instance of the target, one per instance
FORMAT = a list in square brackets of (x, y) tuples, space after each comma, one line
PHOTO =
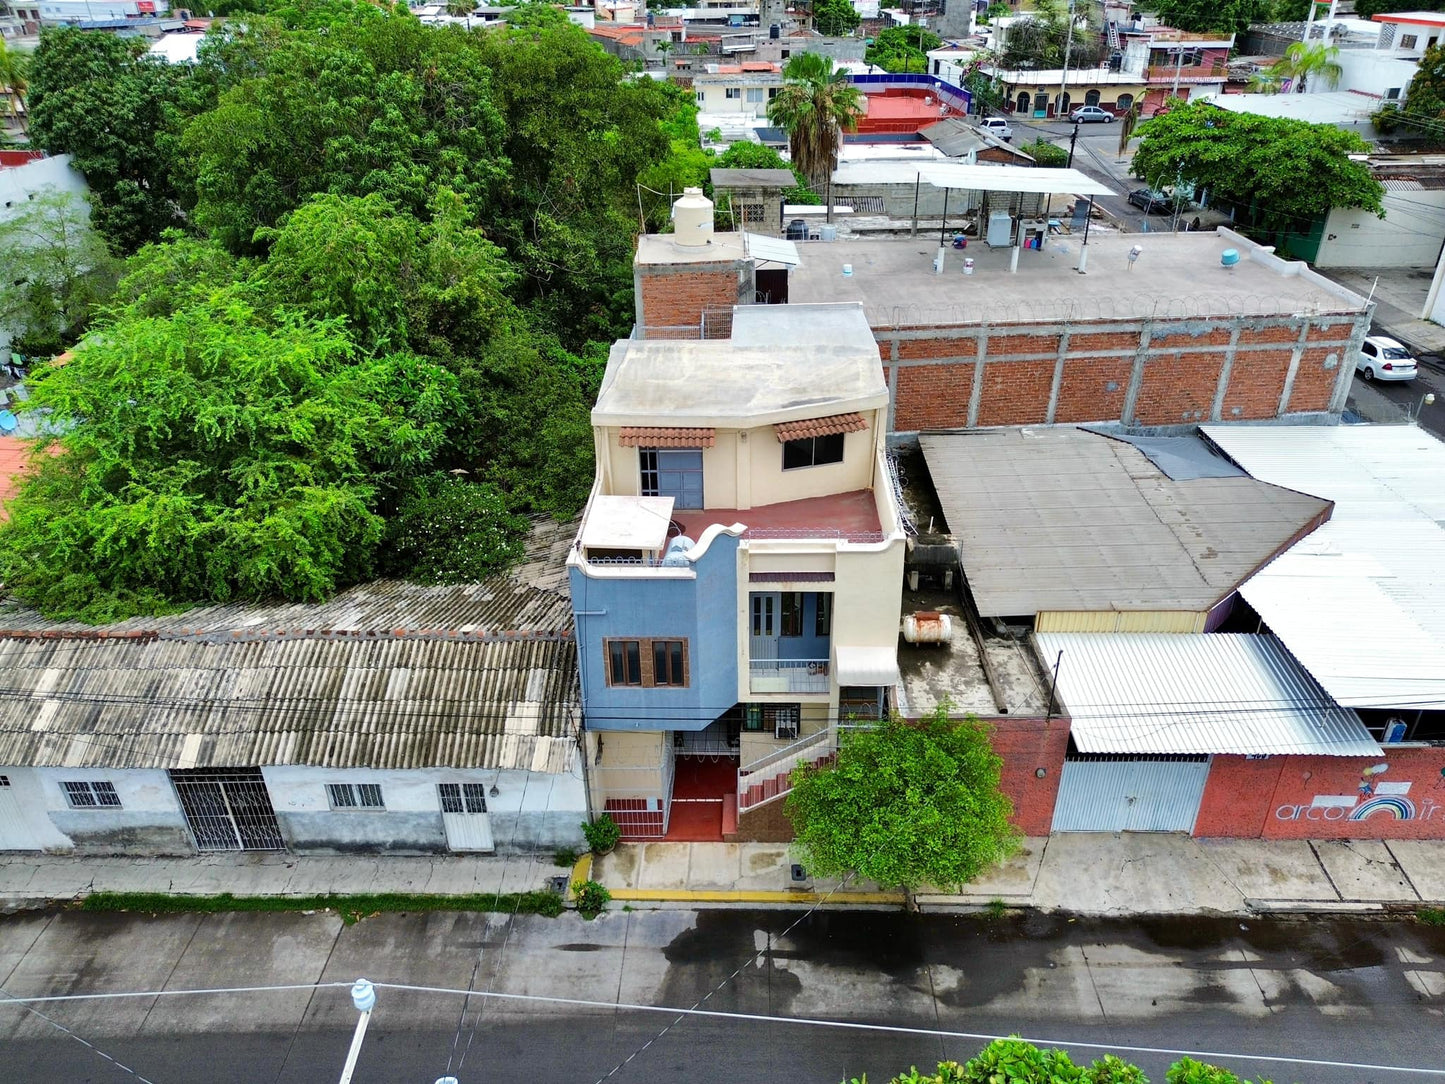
[(1130, 794), (228, 809), (465, 817), (763, 633), (679, 476), (16, 833)]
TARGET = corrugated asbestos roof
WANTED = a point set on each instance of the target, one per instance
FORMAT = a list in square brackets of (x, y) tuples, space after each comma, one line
[(1063, 519), (1213, 693), (1361, 602), (385, 675)]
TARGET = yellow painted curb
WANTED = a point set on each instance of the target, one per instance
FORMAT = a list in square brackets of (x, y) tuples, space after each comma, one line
[(581, 871), (684, 895)]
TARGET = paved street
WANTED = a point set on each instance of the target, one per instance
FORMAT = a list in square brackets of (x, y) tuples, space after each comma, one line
[(1329, 989), (1096, 155)]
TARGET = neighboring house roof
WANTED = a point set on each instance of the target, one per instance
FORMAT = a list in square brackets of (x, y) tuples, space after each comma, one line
[(385, 675), (1169, 693), (1325, 107), (1061, 519), (955, 137), (752, 178), (1361, 602)]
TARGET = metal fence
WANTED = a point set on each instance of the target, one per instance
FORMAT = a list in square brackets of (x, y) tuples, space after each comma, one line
[(228, 809)]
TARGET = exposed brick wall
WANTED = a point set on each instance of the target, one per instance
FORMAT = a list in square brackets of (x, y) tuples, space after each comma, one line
[(1093, 389), (1276, 798), (1314, 383), (1117, 342), (1027, 745), (933, 396), (1005, 346), (1015, 392), (909, 349), (1178, 388), (679, 298), (766, 824), (1256, 381)]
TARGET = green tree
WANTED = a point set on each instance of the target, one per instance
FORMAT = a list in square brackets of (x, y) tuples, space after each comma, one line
[(1368, 9), (758, 156), (905, 804), (459, 9), (447, 529), (54, 270), (1045, 153), (996, 10), (1128, 124), (1039, 41), (1287, 170), (102, 100), (902, 49), (14, 81), (215, 454), (1424, 106), (1214, 17), (1306, 61), (816, 105), (835, 18)]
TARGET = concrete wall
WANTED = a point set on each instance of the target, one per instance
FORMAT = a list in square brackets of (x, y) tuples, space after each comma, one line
[(1410, 234), (634, 602), (29, 792), (149, 820), (533, 811), (1370, 71), (628, 764), (1312, 797)]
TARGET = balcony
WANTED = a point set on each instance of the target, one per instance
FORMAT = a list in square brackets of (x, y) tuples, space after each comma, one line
[(847, 517), (788, 676)]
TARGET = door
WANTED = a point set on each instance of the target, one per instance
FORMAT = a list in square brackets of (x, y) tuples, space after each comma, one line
[(228, 809), (1130, 794), (16, 834), (763, 635), (1041, 104), (679, 476), (465, 817)]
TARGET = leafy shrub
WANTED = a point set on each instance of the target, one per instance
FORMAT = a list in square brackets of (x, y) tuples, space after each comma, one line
[(449, 530), (1111, 1069), (565, 856), (592, 898), (602, 834), (1018, 1062), (1431, 916), (1045, 153), (1189, 1071)]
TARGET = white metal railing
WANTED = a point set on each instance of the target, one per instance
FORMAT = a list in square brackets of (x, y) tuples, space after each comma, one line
[(788, 675), (770, 777)]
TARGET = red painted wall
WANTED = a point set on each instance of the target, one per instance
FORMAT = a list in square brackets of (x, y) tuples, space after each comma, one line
[(1290, 797)]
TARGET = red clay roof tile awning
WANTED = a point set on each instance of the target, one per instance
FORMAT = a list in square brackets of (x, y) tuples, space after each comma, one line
[(650, 436), (820, 427)]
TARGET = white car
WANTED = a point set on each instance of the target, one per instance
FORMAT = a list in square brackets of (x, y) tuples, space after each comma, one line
[(1383, 358), (997, 126)]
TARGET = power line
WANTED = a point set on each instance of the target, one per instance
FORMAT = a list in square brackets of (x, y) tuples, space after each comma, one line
[(58, 1026)]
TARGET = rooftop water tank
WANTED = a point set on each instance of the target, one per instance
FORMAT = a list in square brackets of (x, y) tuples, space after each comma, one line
[(692, 218), (775, 32), (1229, 257), (676, 555)]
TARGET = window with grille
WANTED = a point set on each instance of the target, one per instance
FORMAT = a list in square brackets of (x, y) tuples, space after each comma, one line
[(463, 797), (354, 796), (1408, 41), (753, 212), (647, 461), (646, 663), (782, 719), (91, 794)]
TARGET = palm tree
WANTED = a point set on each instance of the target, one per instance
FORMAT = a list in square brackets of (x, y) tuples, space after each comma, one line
[(1303, 61), (458, 8), (663, 47), (14, 70), (816, 105), (1127, 124)]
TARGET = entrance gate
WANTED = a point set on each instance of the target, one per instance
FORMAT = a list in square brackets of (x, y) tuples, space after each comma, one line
[(228, 809)]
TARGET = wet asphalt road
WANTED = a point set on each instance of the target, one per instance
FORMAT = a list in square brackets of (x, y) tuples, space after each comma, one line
[(1345, 990)]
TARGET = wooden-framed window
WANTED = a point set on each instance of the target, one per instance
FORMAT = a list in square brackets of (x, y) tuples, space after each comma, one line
[(91, 794), (812, 451), (354, 796), (647, 663)]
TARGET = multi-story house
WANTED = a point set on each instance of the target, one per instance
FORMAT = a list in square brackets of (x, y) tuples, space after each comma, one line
[(736, 575)]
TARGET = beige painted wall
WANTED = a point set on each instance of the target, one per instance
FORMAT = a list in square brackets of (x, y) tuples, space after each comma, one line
[(868, 597), (754, 745), (1183, 621), (631, 765)]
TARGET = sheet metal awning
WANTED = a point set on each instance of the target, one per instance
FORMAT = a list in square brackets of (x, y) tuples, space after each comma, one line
[(627, 523), (867, 666), (820, 427), (657, 436), (1211, 693), (771, 249), (1014, 179)]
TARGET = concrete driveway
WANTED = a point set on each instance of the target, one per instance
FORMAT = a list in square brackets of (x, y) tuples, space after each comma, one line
[(1348, 990)]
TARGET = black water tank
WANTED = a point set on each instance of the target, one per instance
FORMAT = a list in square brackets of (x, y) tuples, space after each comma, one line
[(775, 32), (797, 230)]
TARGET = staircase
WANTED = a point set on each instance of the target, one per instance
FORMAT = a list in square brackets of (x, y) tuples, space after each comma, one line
[(770, 778)]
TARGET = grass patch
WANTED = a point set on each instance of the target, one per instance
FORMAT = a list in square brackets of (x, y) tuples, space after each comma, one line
[(566, 857), (350, 908), (1431, 916)]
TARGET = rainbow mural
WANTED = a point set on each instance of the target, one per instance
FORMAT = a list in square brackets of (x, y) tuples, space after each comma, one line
[(1401, 808)]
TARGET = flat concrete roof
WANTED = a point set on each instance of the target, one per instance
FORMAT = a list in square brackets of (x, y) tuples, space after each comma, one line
[(1062, 519), (1177, 274), (662, 248), (782, 363)]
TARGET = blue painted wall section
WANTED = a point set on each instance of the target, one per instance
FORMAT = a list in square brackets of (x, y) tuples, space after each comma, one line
[(702, 611)]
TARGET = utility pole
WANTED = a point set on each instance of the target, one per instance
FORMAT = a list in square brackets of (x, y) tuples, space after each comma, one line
[(363, 996), (1064, 76), (1178, 64), (1072, 140)]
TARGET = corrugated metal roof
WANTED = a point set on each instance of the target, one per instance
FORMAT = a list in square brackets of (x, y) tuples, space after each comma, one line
[(1062, 519), (1216, 693), (386, 702), (1361, 602), (752, 178), (988, 178)]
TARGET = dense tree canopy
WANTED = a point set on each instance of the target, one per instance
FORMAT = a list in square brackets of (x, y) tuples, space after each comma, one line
[(835, 18), (1288, 171), (1039, 42), (905, 804), (1424, 109), (1230, 16), (902, 48), (373, 271)]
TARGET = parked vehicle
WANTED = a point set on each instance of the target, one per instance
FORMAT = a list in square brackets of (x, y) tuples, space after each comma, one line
[(1091, 114), (1150, 200), (1383, 358), (997, 126)]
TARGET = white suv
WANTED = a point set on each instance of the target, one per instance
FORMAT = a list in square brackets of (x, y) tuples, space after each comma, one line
[(997, 126)]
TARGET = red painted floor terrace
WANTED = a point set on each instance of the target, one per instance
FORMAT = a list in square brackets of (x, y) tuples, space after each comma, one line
[(853, 515)]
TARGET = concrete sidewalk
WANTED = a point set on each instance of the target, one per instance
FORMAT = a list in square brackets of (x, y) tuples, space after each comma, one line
[(1085, 873), (1089, 874)]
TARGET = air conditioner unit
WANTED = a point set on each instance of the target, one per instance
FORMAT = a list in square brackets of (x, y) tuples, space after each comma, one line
[(785, 730)]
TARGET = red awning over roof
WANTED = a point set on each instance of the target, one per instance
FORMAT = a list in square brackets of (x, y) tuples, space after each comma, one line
[(820, 427), (648, 436)]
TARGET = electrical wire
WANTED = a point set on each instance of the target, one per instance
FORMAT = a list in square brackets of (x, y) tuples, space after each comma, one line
[(58, 1026)]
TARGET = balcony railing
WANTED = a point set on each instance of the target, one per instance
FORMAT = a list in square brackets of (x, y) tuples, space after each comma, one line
[(788, 675)]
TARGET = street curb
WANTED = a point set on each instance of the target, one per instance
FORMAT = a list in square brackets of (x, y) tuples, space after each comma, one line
[(691, 895), (581, 871)]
